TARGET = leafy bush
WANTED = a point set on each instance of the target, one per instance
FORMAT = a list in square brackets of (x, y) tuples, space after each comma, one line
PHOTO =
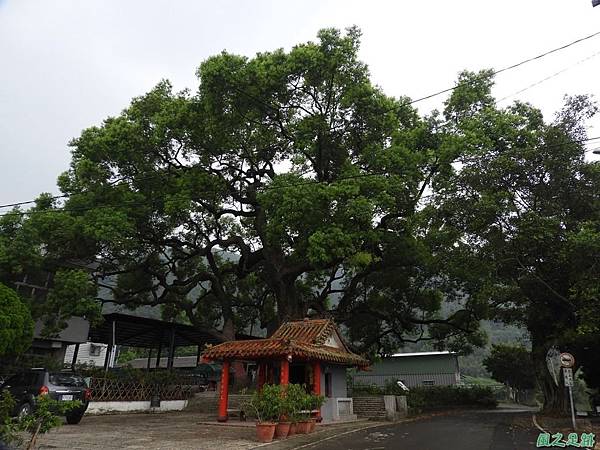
[(8, 425), (292, 402), (43, 418), (367, 389), (423, 398), (267, 403), (295, 401)]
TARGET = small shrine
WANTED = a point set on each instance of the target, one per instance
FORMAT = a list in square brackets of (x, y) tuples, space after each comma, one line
[(310, 352)]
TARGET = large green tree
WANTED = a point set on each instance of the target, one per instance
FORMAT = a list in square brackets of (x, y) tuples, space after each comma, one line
[(525, 200), (287, 183)]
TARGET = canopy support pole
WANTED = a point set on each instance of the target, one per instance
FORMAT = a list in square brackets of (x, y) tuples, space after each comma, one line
[(316, 366), (224, 392), (284, 378)]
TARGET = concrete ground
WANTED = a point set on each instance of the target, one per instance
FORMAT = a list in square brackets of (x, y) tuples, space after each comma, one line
[(187, 430), (164, 431)]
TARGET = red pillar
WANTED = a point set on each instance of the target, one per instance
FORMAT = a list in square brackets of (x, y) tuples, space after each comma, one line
[(316, 366), (285, 372), (224, 393), (262, 373)]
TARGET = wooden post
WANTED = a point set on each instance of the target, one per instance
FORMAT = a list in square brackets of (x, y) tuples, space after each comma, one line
[(316, 366), (284, 378), (224, 393)]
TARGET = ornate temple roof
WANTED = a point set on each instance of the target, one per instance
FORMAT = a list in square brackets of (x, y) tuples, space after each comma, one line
[(316, 339)]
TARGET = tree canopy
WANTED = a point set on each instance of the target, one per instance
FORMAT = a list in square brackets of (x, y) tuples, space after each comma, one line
[(286, 183)]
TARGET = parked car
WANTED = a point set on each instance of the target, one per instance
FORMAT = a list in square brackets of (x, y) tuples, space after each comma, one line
[(27, 385)]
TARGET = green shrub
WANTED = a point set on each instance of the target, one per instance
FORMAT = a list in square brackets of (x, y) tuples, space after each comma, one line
[(267, 403), (424, 398), (44, 417), (367, 389), (8, 424), (296, 401)]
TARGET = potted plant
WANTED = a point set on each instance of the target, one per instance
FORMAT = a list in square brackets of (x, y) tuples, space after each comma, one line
[(282, 429), (295, 395), (305, 403), (266, 404), (316, 401)]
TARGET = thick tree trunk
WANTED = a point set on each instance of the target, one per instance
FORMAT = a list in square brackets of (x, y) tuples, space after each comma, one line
[(289, 304), (555, 399), (228, 330)]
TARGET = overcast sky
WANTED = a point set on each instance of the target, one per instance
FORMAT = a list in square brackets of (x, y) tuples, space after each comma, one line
[(68, 64)]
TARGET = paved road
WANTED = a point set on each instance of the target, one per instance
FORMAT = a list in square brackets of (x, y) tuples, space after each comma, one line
[(473, 430)]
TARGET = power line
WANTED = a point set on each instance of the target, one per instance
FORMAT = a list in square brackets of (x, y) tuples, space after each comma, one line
[(435, 94), (550, 76), (512, 66)]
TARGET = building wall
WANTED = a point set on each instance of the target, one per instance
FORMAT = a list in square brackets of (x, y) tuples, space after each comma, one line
[(410, 380), (339, 386), (413, 371), (339, 389), (89, 353)]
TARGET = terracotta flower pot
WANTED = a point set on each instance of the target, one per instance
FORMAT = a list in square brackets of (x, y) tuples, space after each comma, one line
[(313, 425), (282, 430), (265, 431), (292, 431), (303, 427)]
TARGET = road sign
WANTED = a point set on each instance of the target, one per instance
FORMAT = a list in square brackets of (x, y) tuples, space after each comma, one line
[(568, 374), (567, 360)]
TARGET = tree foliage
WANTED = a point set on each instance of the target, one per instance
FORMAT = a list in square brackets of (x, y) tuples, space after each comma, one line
[(41, 255), (16, 325), (525, 201), (511, 365), (287, 184)]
